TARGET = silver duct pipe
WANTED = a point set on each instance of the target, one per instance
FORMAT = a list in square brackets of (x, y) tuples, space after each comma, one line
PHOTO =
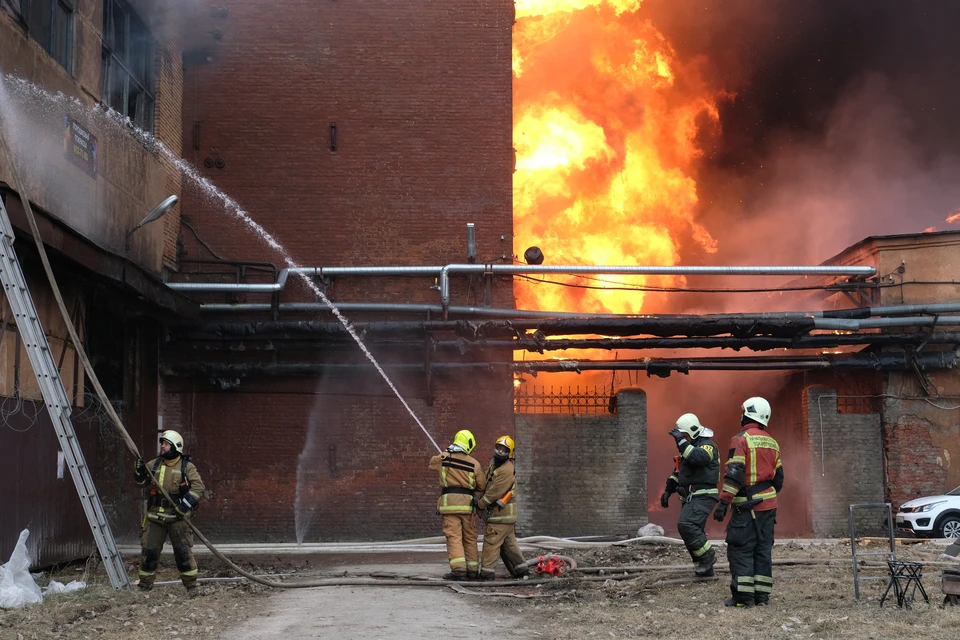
[(471, 244), (489, 312), (512, 269), (838, 324)]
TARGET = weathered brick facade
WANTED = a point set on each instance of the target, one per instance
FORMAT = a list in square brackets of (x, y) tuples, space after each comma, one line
[(583, 474), (421, 99)]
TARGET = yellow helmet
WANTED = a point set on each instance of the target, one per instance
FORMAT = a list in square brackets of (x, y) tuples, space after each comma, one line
[(506, 441), (465, 440)]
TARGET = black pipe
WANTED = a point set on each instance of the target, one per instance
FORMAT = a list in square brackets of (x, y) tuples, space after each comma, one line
[(760, 343), (653, 366)]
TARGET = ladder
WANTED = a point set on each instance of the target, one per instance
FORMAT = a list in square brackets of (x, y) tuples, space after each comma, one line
[(891, 554), (56, 400)]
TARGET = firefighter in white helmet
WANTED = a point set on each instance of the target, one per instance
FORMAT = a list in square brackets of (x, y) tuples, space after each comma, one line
[(751, 484), (695, 477), (179, 477)]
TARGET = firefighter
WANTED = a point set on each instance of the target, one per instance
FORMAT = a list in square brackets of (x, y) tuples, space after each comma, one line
[(499, 506), (697, 472), (460, 478), (179, 477), (751, 482)]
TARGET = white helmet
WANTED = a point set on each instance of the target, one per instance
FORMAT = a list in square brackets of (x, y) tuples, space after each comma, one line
[(174, 439), (689, 424), (757, 409)]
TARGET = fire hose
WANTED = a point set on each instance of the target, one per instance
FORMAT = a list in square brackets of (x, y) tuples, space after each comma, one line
[(118, 423)]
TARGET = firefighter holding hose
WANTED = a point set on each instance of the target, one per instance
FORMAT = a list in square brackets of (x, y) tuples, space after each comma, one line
[(179, 477), (498, 503)]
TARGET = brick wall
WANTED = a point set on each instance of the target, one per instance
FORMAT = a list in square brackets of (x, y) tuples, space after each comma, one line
[(357, 457), (846, 465), (583, 474), (421, 96)]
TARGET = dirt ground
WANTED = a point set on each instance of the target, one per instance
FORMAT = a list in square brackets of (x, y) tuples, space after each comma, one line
[(810, 600)]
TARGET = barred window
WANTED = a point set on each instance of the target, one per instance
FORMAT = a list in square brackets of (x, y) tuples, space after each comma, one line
[(50, 23), (128, 64)]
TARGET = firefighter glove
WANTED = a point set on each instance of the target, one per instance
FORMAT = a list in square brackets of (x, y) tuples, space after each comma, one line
[(721, 511), (665, 499), (187, 503), (140, 471), (678, 436)]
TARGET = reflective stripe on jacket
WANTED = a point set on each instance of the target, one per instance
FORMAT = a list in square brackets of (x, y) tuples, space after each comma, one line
[(457, 470), (754, 460), (500, 481)]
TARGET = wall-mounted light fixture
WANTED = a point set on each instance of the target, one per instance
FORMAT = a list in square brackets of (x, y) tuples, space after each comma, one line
[(156, 214)]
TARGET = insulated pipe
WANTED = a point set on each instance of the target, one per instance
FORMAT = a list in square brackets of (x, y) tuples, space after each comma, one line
[(397, 308), (835, 324), (661, 367), (444, 272)]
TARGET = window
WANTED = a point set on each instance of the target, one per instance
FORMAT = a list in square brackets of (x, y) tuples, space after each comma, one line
[(50, 23), (128, 64)]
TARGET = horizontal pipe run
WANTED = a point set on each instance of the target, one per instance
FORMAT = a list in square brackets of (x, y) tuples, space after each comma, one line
[(443, 272), (833, 324), (362, 307), (760, 343), (653, 366)]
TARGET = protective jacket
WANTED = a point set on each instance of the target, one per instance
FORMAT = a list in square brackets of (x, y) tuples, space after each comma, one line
[(178, 477), (461, 477), (754, 473), (697, 469), (500, 480)]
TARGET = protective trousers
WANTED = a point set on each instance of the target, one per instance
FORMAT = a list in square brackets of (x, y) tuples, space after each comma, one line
[(151, 540), (750, 551), (693, 517), (460, 530), (500, 539)]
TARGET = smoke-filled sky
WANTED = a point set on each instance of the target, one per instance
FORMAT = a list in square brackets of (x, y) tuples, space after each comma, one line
[(844, 116)]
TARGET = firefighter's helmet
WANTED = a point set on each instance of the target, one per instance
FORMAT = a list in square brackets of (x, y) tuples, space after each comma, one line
[(689, 424), (757, 409), (174, 439), (465, 440), (507, 442)]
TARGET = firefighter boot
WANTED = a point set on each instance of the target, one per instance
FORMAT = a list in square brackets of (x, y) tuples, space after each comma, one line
[(455, 575), (704, 567), (737, 602)]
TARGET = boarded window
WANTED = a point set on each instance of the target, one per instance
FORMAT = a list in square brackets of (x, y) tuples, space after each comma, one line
[(858, 392)]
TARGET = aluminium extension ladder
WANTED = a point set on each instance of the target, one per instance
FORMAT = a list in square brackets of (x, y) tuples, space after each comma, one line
[(56, 400)]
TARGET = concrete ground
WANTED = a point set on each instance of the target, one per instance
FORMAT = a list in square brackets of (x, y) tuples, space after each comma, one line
[(370, 613)]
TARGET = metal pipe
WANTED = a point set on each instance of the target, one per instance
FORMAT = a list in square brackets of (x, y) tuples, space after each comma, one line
[(661, 367), (395, 308), (512, 269), (834, 324), (471, 244)]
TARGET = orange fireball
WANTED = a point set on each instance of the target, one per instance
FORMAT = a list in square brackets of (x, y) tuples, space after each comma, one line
[(606, 121)]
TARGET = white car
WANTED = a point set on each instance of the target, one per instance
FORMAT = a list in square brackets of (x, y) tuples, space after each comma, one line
[(931, 517)]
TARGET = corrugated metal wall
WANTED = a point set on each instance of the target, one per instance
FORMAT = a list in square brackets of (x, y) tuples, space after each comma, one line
[(36, 492)]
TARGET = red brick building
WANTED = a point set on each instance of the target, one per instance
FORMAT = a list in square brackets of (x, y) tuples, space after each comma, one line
[(358, 134)]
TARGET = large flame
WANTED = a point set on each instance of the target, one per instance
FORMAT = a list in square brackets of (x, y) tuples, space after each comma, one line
[(605, 129)]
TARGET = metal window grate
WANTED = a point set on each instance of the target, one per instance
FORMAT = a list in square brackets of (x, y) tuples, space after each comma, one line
[(573, 400)]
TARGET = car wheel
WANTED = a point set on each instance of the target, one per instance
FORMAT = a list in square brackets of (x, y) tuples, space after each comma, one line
[(949, 527)]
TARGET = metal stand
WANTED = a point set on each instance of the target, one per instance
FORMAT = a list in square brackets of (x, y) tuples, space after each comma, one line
[(891, 554), (905, 580), (56, 400)]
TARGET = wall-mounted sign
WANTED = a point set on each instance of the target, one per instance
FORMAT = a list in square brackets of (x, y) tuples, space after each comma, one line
[(80, 146)]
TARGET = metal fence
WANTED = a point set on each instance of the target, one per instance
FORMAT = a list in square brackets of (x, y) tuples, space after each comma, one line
[(588, 400)]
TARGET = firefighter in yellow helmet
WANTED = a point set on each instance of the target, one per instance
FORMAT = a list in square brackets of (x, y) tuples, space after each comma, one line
[(498, 503), (461, 477), (179, 477)]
